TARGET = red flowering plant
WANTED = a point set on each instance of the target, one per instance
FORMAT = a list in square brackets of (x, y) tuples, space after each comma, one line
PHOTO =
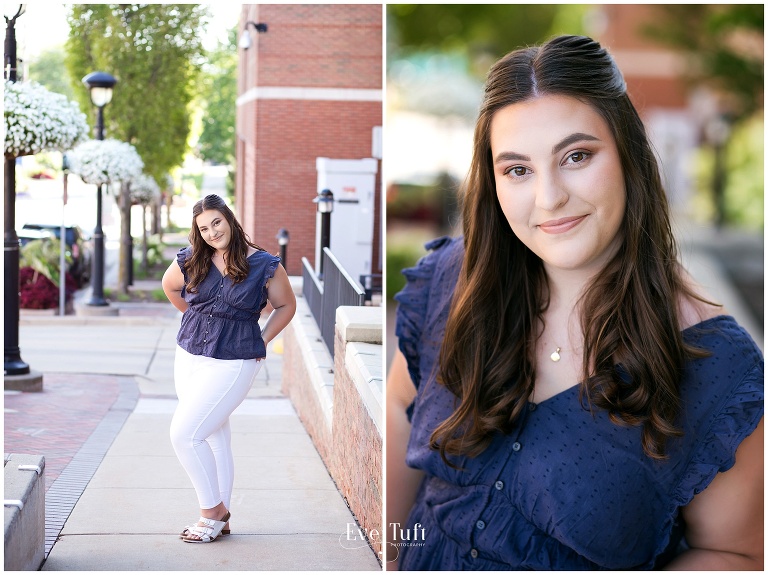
[(39, 276), (39, 292)]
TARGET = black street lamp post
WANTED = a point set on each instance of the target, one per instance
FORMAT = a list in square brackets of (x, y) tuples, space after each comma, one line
[(324, 201), (100, 85), (283, 237), (13, 364)]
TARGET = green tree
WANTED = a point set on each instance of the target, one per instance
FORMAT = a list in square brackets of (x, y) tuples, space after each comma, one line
[(219, 92), (724, 44), (482, 32), (155, 52), (46, 69)]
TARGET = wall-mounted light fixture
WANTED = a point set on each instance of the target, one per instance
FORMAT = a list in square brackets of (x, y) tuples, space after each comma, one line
[(245, 37)]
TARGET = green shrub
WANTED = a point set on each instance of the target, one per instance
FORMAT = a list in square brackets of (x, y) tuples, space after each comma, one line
[(744, 187), (43, 256), (159, 295), (155, 249)]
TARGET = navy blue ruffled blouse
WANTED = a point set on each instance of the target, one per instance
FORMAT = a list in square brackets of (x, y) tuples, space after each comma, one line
[(566, 489), (222, 320)]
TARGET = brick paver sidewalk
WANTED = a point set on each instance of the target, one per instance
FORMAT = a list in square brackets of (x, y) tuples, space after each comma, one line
[(72, 423), (57, 421)]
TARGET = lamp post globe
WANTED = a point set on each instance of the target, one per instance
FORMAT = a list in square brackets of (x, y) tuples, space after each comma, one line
[(100, 85), (283, 237), (324, 201)]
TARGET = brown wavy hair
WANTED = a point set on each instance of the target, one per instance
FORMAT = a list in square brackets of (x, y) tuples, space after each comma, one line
[(198, 264), (629, 313)]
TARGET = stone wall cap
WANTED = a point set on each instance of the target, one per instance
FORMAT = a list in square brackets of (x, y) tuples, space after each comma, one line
[(360, 323)]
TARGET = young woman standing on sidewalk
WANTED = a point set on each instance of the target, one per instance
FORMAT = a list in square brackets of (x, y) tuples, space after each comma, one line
[(221, 283)]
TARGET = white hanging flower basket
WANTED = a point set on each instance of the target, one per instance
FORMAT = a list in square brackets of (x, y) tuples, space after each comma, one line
[(144, 190), (105, 161), (37, 119)]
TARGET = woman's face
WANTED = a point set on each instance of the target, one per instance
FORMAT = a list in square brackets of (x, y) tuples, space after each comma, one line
[(559, 181), (214, 228)]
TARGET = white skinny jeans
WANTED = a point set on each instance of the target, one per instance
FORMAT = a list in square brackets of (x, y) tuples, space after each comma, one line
[(209, 390)]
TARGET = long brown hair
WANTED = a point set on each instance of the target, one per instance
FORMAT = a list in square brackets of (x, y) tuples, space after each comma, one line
[(628, 314), (199, 264)]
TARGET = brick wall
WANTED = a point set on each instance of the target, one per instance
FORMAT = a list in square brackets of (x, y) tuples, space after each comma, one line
[(298, 387), (347, 439), (650, 83), (357, 450), (331, 45), (306, 46)]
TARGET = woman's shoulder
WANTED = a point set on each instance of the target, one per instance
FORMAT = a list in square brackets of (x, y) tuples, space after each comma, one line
[(693, 311), (262, 265), (723, 399), (258, 254), (446, 247), (433, 278), (184, 254), (723, 334), (426, 294), (444, 255)]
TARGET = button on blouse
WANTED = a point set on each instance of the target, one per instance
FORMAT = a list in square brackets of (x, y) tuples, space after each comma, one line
[(222, 318)]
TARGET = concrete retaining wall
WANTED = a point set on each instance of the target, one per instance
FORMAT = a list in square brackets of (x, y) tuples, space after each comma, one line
[(24, 525)]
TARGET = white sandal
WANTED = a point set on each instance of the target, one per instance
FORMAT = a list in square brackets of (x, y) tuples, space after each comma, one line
[(186, 529), (207, 532)]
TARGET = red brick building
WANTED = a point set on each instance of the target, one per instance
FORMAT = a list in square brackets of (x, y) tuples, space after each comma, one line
[(655, 77), (308, 87)]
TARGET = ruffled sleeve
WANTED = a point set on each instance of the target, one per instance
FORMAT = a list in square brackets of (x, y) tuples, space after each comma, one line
[(269, 271), (740, 414), (181, 257), (415, 301)]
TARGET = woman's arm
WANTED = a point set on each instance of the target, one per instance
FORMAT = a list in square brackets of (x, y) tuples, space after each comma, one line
[(402, 481), (724, 523), (173, 283), (283, 302)]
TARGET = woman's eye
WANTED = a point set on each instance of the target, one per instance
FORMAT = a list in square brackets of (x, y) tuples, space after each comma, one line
[(518, 171), (577, 157)]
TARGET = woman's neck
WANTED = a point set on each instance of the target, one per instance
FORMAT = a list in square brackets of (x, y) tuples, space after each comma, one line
[(566, 287)]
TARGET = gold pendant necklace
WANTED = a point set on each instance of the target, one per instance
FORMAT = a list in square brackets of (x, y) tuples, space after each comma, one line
[(555, 355)]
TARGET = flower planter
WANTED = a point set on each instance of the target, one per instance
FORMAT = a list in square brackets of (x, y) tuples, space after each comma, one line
[(38, 312)]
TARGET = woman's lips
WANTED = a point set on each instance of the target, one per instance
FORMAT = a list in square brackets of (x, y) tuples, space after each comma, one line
[(561, 225)]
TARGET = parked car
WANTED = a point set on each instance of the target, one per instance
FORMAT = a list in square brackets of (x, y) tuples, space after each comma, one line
[(78, 246), (26, 236)]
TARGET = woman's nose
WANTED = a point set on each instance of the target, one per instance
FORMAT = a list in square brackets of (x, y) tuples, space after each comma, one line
[(550, 193)]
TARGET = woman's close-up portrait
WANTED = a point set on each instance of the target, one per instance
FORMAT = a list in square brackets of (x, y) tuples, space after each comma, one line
[(575, 291)]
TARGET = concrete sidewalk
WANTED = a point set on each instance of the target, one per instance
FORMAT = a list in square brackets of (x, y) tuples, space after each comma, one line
[(123, 497)]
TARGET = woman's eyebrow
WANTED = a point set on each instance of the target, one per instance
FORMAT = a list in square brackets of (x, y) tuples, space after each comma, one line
[(567, 141), (573, 138), (507, 156)]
